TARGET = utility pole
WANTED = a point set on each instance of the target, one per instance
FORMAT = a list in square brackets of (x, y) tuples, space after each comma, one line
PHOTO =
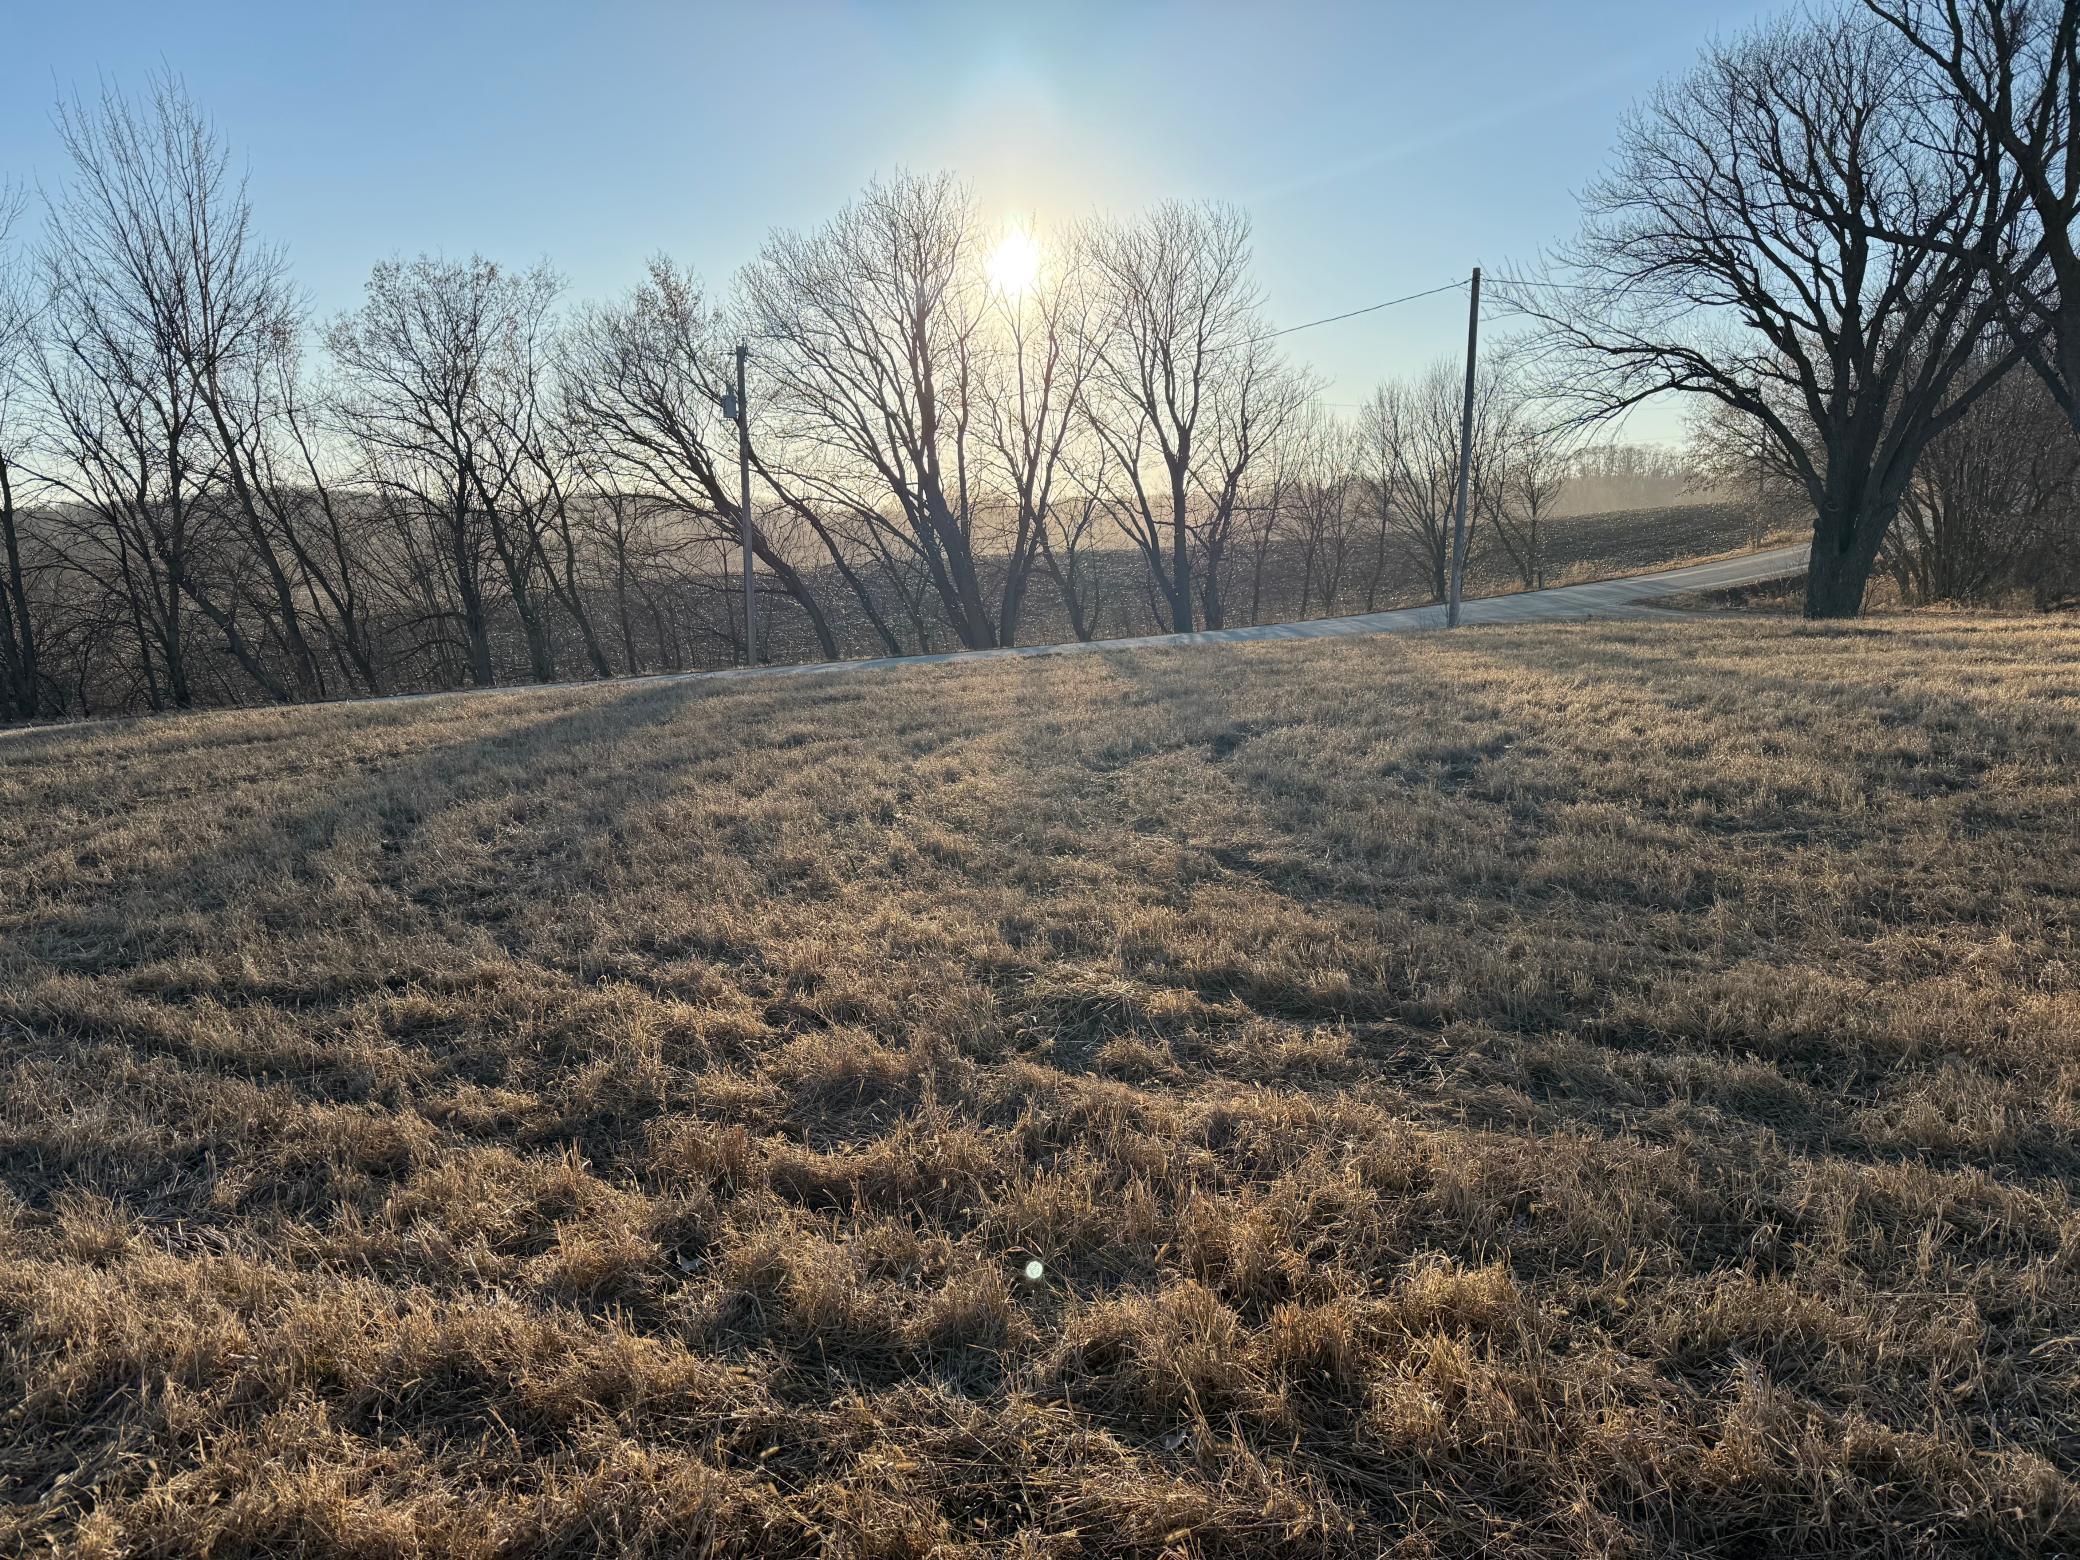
[(744, 522), (1458, 571), (1761, 490)]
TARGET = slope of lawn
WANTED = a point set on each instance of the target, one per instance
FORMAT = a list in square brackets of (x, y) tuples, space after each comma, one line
[(1604, 1089)]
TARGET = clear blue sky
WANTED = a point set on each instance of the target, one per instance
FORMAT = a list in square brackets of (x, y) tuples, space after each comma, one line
[(1381, 147)]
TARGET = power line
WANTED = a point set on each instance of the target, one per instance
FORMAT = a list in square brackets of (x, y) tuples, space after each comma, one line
[(1530, 281), (1371, 308)]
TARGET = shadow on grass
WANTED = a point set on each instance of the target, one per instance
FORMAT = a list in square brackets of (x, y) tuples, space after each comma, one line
[(124, 928)]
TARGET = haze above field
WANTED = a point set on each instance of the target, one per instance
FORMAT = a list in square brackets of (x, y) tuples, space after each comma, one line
[(1381, 149)]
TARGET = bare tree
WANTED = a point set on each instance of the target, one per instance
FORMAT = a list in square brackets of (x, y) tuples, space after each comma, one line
[(1985, 510), (867, 331), (1253, 405), (642, 381), (1534, 460), (2011, 69), (133, 463), (1322, 510), (1034, 371), (1068, 544), (1409, 441), (638, 538), (418, 360), (525, 483), (323, 527), (1266, 517), (159, 231), (1179, 314), (161, 311), (1740, 249)]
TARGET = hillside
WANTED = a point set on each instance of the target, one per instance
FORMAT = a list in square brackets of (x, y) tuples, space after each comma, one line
[(1343, 576), (1604, 1089)]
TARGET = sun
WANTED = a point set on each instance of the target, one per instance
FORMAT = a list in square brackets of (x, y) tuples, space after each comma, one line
[(1014, 265)]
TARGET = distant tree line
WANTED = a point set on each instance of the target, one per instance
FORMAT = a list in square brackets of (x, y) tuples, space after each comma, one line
[(207, 498)]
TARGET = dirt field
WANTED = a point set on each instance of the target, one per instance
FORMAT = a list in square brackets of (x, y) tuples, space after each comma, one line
[(1597, 1090)]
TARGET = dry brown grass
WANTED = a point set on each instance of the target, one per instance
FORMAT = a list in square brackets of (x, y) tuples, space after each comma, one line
[(1587, 1090)]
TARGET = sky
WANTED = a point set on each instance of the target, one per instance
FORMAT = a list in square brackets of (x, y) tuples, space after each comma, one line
[(1380, 148)]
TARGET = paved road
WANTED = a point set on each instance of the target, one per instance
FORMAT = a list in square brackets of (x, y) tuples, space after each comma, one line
[(1634, 596), (1631, 597)]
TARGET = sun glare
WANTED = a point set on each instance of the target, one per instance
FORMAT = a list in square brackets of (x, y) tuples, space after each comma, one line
[(1014, 265)]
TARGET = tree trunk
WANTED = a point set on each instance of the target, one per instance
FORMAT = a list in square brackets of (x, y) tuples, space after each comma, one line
[(541, 656), (18, 655), (1214, 606), (627, 624), (1846, 539), (798, 590), (1018, 574), (1180, 556), (173, 651), (534, 629), (1256, 581), (475, 628), (966, 607)]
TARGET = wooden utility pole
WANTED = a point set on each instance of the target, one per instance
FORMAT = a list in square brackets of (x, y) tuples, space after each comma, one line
[(744, 522), (1458, 570)]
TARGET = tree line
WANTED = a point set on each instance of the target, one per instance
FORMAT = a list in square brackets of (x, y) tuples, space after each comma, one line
[(1848, 234), (207, 497)]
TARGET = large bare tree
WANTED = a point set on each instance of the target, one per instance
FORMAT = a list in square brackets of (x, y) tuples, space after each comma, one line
[(1741, 248), (157, 227), (132, 467)]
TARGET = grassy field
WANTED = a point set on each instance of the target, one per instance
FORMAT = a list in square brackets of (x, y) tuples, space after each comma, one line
[(1594, 1090)]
